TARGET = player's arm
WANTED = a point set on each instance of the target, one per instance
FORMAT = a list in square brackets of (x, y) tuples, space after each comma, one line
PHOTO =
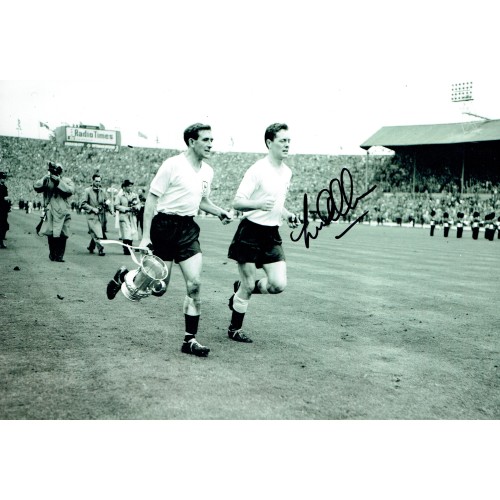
[(244, 204), (286, 214), (244, 200), (149, 211), (208, 206), (290, 217)]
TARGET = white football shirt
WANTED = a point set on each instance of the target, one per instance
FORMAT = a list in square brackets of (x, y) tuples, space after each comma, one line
[(264, 179), (180, 187)]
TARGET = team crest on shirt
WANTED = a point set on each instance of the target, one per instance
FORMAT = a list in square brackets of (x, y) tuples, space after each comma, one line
[(204, 188)]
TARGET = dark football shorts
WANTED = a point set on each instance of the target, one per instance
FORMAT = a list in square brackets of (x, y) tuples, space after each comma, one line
[(174, 237), (256, 243)]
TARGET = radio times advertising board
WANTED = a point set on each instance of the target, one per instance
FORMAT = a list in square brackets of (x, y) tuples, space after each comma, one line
[(88, 136)]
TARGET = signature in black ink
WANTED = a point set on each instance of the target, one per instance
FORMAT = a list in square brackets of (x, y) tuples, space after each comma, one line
[(335, 209)]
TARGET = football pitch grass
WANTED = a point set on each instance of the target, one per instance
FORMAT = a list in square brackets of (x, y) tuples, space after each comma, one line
[(383, 323)]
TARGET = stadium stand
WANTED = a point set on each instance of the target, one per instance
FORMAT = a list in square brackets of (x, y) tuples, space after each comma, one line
[(392, 201)]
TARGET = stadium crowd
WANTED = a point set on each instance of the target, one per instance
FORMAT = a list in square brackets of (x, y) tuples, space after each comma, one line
[(392, 201)]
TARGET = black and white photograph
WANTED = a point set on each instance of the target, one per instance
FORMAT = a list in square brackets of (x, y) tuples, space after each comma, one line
[(249, 249)]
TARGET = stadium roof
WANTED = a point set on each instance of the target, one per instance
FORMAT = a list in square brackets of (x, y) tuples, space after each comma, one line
[(423, 135)]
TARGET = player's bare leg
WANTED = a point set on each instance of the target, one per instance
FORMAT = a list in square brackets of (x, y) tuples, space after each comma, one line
[(238, 303), (163, 287), (248, 273), (191, 270), (275, 280)]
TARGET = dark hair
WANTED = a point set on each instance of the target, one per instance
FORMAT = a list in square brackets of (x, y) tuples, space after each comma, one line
[(192, 132), (272, 130), (96, 175)]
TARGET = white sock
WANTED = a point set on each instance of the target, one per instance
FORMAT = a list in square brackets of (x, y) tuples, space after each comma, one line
[(191, 308), (240, 305)]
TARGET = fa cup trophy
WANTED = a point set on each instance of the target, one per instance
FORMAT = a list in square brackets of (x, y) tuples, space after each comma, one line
[(148, 278)]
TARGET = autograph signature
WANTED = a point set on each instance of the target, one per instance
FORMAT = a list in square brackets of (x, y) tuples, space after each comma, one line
[(335, 209)]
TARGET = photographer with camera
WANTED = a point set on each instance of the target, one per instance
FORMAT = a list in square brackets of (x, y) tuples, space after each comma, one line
[(56, 191), (95, 206), (127, 204)]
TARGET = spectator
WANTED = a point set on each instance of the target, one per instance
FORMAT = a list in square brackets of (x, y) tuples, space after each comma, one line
[(5, 205), (95, 206), (126, 203)]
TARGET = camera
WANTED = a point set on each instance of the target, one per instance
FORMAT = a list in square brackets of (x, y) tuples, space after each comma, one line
[(133, 205), (54, 168)]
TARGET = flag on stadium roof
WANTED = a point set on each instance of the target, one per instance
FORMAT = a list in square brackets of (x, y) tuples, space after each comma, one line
[(44, 125), (140, 134)]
